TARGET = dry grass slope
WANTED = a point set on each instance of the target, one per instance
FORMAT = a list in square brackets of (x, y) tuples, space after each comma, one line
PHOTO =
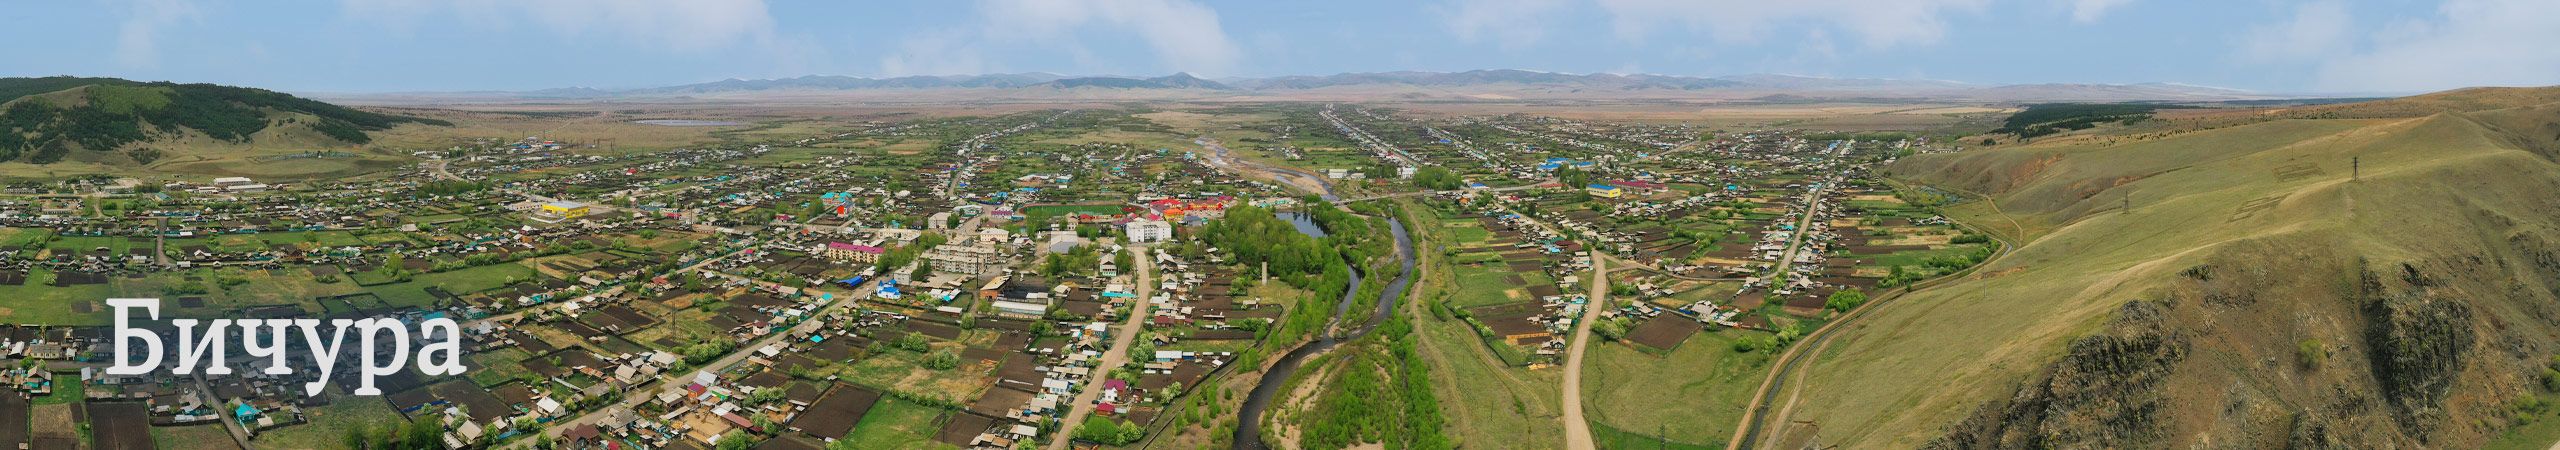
[(2422, 279)]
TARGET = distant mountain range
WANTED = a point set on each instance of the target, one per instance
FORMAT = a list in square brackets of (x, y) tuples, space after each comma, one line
[(1475, 84)]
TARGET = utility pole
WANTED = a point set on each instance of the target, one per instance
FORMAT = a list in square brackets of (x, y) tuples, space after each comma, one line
[(2355, 168), (2128, 202)]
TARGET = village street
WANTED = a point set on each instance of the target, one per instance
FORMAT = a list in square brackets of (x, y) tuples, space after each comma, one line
[(1117, 355), (598, 207), (617, 289), (1812, 208), (239, 433), (1577, 432), (639, 394)]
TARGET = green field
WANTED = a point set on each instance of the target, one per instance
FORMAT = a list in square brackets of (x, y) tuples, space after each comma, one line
[(1612, 438), (1488, 403), (897, 424), (1694, 394), (414, 292), (1482, 285), (202, 437), (39, 302), (329, 424), (492, 368)]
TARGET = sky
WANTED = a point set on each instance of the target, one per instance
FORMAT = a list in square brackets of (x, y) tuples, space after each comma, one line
[(353, 46)]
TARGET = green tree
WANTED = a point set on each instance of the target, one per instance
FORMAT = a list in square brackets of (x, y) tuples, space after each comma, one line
[(738, 441), (1846, 299), (1108, 432), (2311, 353), (1610, 329), (914, 342), (942, 360)]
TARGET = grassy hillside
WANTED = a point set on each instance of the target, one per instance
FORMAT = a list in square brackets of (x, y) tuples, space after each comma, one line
[(48, 120), (2256, 294)]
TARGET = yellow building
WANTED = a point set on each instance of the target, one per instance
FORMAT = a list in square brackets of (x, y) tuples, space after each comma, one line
[(564, 210), (1602, 190)]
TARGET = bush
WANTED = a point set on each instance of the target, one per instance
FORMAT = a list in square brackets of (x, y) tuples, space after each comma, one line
[(1846, 300), (1109, 432), (2312, 353), (942, 360), (1610, 329), (914, 343), (1747, 344)]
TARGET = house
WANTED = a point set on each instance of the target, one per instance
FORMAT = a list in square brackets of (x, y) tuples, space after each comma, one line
[(1020, 298), (974, 259), (1022, 308), (1143, 230), (565, 209), (849, 252), (1640, 187)]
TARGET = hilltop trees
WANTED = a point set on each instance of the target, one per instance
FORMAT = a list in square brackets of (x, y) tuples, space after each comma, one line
[(119, 112)]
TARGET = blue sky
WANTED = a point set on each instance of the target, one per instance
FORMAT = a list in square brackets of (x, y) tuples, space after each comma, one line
[(2288, 46)]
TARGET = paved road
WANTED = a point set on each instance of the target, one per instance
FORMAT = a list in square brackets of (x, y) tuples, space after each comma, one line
[(1577, 432), (1116, 356)]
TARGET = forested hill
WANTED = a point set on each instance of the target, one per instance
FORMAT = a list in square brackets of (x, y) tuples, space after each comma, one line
[(46, 119)]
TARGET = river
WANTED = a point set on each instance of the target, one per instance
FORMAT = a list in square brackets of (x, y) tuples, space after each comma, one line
[(1249, 426)]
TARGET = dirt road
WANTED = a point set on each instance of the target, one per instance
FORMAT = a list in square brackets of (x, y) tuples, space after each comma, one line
[(1116, 356), (1577, 432)]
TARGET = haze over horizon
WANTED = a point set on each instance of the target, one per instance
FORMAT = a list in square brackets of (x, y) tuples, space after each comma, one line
[(2274, 46)]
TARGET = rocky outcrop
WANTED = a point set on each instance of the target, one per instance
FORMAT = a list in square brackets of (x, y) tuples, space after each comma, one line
[(2105, 392), (2418, 343)]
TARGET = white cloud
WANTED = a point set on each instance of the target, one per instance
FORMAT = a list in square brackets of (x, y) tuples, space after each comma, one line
[(2086, 11), (2317, 30), (1874, 23), (933, 55), (2465, 43), (137, 37), (1512, 24), (679, 25), (1183, 35)]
